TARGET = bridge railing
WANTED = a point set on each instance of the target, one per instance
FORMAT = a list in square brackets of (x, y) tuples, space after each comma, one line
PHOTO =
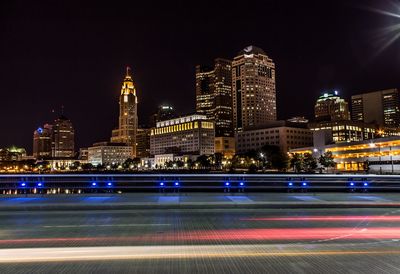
[(78, 183)]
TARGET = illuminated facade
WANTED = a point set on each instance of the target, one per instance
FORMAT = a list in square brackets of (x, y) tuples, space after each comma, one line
[(105, 153), (63, 138), (346, 131), (12, 154), (143, 142), (330, 107), (128, 119), (284, 134), (42, 142), (379, 156), (214, 99), (192, 134), (380, 107), (164, 112), (254, 89), (214, 95)]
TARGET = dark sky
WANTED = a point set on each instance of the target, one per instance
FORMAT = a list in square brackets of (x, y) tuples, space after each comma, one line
[(55, 53)]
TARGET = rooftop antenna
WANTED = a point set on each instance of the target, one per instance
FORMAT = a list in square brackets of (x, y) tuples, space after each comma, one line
[(128, 71)]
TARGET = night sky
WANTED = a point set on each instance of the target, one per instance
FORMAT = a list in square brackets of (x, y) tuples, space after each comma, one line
[(55, 53)]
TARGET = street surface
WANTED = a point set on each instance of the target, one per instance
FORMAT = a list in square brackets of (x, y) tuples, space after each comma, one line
[(237, 240)]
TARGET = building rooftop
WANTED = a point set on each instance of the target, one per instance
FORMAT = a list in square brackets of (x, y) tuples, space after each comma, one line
[(252, 50), (182, 119)]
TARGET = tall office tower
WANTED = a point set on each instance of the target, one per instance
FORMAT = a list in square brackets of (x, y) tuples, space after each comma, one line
[(380, 107), (143, 143), (63, 138), (254, 90), (164, 112), (128, 119), (42, 142), (214, 95), (330, 107)]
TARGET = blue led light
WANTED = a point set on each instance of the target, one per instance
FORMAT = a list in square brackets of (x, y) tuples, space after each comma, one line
[(23, 184), (109, 184), (161, 184), (39, 184), (352, 184), (94, 184), (227, 183), (365, 184), (290, 184), (241, 184), (176, 184), (304, 184)]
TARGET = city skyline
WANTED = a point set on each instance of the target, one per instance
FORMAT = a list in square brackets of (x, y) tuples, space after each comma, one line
[(84, 83)]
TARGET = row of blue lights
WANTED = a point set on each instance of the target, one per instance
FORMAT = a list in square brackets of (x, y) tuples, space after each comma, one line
[(39, 184), (353, 184), (228, 184), (302, 184), (163, 184)]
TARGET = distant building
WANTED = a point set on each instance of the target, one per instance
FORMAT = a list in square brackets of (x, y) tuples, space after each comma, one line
[(12, 154), (284, 134), (128, 119), (254, 89), (143, 143), (43, 142), (298, 119), (214, 99), (83, 154), (214, 95), (106, 153), (346, 131), (164, 112), (379, 107), (330, 107), (63, 138), (380, 156), (193, 134)]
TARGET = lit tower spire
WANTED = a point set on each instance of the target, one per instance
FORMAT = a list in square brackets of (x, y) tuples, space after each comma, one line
[(128, 119)]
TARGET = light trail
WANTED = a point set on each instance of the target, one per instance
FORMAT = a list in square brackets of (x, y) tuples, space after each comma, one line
[(31, 255), (254, 234), (111, 225), (329, 218)]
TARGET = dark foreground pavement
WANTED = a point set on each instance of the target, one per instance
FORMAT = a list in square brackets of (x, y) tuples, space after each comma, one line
[(193, 240)]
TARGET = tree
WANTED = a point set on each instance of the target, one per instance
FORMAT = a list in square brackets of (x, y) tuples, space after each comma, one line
[(75, 165), (128, 164), (217, 160), (179, 164), (326, 160), (310, 163), (203, 161), (87, 166), (296, 162), (169, 164), (272, 157)]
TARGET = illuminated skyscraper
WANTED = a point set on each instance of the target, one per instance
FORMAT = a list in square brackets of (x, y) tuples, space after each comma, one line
[(42, 142), (63, 138), (128, 119), (214, 99), (254, 91), (380, 107), (164, 112), (330, 107), (214, 95)]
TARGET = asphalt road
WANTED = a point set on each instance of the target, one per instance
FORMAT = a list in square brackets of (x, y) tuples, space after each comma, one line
[(201, 241)]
